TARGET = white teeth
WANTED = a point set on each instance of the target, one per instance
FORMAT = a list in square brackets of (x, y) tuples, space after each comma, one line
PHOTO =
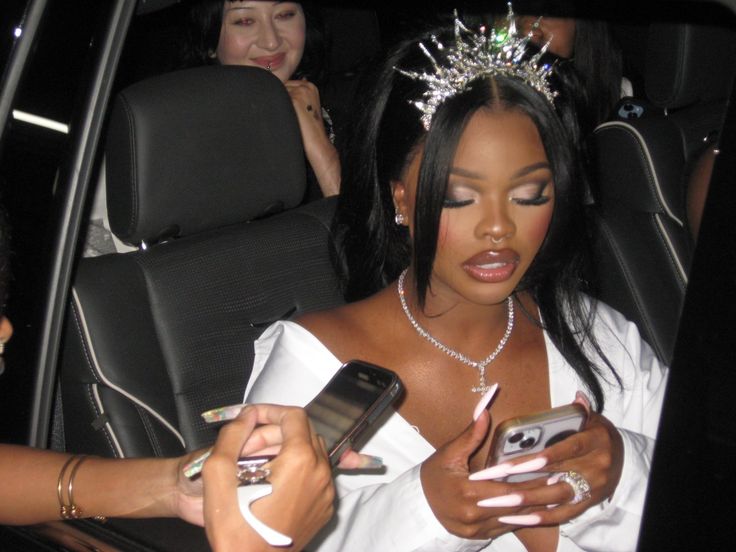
[(492, 266)]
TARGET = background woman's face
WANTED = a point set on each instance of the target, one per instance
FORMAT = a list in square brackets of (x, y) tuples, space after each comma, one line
[(263, 34), (559, 30)]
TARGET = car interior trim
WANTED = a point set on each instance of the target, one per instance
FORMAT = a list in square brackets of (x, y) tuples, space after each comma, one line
[(655, 181), (108, 428), (98, 370), (671, 247)]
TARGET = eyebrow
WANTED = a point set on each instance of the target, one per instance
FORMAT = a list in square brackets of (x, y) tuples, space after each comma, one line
[(518, 174)]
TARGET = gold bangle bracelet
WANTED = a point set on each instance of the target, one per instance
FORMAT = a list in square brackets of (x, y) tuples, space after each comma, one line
[(74, 511), (69, 510), (63, 511)]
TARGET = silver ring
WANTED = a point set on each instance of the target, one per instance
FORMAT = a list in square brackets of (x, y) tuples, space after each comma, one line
[(251, 475), (579, 484)]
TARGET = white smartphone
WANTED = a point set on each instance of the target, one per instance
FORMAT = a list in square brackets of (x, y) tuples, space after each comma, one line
[(533, 433)]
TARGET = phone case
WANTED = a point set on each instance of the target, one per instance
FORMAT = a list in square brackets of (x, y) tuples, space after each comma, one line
[(533, 433), (349, 404)]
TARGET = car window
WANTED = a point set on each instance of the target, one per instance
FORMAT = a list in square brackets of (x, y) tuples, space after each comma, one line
[(35, 145)]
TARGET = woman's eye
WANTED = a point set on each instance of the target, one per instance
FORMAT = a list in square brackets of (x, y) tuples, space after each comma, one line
[(451, 203), (286, 15), (530, 194), (244, 22)]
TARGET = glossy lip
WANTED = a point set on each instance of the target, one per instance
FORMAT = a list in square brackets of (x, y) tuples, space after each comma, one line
[(274, 61), (492, 266)]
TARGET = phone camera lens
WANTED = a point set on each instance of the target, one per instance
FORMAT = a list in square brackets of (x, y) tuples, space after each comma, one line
[(527, 443), (516, 437)]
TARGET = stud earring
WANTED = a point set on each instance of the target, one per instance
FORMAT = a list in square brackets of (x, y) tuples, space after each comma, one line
[(399, 219)]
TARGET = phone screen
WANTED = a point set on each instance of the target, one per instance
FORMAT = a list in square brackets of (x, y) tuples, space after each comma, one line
[(354, 397)]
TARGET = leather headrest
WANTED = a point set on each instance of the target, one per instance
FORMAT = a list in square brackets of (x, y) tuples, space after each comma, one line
[(201, 148), (688, 63)]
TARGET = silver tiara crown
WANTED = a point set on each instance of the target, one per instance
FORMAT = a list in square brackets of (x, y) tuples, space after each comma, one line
[(476, 55)]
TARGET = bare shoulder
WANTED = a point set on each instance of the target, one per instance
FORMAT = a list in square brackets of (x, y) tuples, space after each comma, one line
[(352, 330)]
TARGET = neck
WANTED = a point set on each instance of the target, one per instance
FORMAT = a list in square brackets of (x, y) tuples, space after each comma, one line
[(445, 308)]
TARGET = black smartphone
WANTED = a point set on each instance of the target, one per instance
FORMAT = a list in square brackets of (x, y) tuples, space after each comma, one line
[(533, 433), (352, 400)]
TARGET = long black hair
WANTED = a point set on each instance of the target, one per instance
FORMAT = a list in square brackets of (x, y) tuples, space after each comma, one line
[(371, 250), (595, 42), (204, 20)]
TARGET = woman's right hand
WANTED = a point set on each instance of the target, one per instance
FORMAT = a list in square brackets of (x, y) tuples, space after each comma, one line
[(303, 492), (454, 498)]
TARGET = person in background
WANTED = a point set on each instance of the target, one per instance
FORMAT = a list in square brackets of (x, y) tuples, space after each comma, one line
[(287, 39), (585, 42)]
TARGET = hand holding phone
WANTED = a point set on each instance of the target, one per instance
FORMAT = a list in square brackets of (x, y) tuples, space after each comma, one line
[(533, 433)]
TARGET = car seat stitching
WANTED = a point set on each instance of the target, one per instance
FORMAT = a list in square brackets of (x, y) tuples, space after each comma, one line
[(150, 431), (664, 236), (653, 180), (133, 167), (110, 384), (83, 341), (107, 430), (635, 295)]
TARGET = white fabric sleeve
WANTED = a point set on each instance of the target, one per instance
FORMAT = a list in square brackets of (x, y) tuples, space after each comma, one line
[(392, 516), (634, 409)]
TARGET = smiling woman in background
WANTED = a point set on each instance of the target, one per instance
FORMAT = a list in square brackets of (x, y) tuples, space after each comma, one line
[(286, 39)]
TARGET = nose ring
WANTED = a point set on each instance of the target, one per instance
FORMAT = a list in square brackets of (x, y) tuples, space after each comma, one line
[(494, 240)]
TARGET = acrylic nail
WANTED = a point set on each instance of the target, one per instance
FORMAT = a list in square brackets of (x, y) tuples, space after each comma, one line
[(554, 479), (529, 466), (369, 462), (484, 401), (525, 519), (195, 466), (582, 399), (223, 413), (494, 472), (502, 501)]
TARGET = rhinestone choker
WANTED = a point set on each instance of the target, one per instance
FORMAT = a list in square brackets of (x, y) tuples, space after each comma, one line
[(482, 387)]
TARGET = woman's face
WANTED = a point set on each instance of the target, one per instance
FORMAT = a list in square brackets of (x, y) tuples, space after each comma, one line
[(263, 34), (560, 31), (498, 207)]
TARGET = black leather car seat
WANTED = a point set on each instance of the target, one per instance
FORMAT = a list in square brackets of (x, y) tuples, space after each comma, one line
[(204, 168), (645, 246)]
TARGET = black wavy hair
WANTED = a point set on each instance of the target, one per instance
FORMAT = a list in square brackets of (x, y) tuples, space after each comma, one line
[(204, 20), (389, 132)]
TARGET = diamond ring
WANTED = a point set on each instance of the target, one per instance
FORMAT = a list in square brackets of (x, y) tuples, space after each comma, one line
[(579, 484)]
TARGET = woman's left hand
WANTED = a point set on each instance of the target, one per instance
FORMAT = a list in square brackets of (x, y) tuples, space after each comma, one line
[(597, 454), (321, 153)]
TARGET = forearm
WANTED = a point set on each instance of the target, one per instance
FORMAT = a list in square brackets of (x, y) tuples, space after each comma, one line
[(102, 487), (325, 162)]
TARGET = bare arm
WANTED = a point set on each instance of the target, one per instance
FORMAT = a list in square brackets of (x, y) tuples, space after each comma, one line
[(149, 487), (321, 153)]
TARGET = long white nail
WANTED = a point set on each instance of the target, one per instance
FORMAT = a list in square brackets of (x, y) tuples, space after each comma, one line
[(525, 519), (530, 466), (504, 501), (484, 401), (494, 472)]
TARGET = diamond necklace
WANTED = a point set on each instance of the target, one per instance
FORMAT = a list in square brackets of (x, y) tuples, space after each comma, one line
[(480, 366)]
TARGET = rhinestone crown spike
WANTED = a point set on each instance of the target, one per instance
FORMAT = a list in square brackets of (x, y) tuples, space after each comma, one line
[(477, 55)]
